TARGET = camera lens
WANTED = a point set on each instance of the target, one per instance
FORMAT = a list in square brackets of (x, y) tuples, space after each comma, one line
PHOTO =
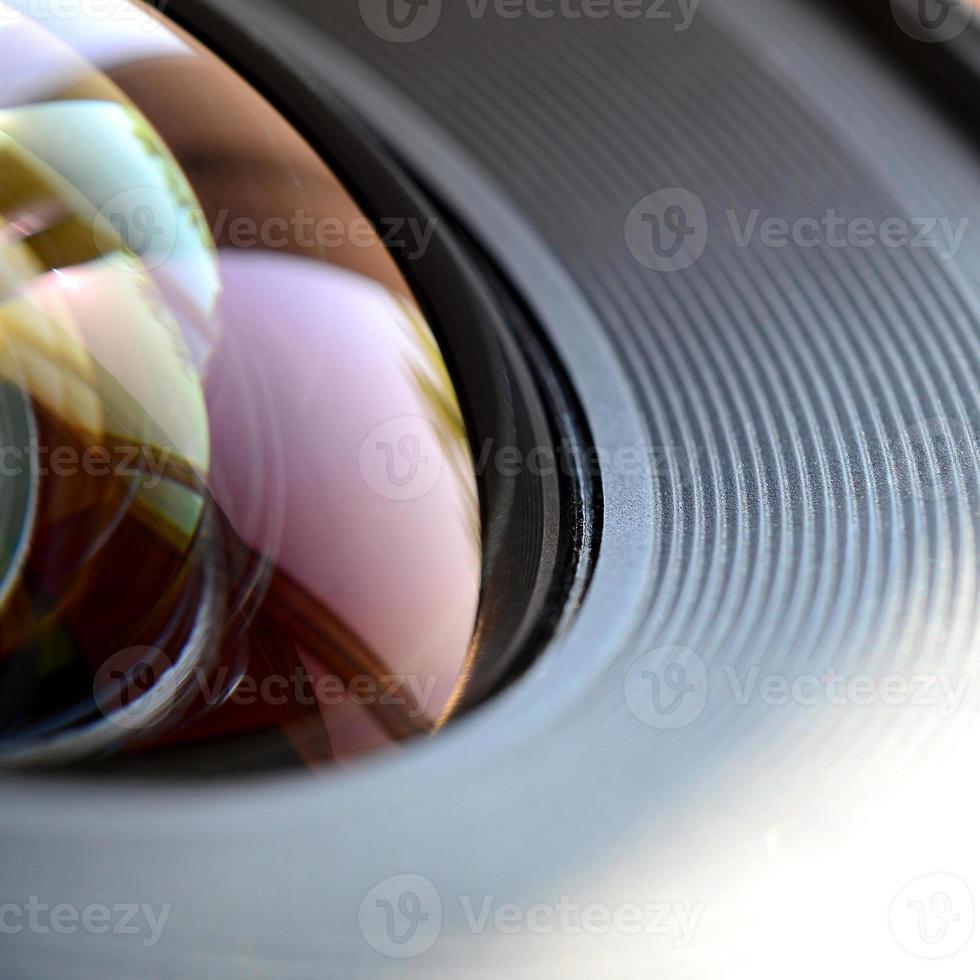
[(238, 509)]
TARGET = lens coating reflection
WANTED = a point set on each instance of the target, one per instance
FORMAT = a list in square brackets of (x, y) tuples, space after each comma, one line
[(238, 505)]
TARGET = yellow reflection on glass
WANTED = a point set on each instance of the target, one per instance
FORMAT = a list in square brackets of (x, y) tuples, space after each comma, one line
[(234, 459)]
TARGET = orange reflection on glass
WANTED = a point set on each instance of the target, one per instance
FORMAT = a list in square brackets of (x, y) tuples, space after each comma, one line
[(238, 503)]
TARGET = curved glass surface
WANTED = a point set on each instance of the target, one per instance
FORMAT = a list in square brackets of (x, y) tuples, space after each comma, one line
[(238, 510)]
